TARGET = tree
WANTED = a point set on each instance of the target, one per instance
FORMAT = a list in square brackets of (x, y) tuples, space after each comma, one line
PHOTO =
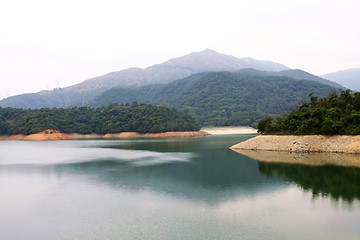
[(264, 125)]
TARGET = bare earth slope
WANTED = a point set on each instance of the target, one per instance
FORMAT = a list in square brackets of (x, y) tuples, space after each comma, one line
[(308, 143)]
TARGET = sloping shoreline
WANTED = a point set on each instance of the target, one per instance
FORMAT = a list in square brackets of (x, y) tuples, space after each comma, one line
[(56, 135), (302, 144)]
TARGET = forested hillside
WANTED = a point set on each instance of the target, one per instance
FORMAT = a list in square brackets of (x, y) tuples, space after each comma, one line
[(332, 115), (291, 73), (113, 118), (223, 98)]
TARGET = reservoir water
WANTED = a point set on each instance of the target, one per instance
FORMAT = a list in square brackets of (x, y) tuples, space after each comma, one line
[(169, 189)]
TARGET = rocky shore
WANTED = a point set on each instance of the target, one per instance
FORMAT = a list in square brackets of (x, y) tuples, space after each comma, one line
[(56, 135), (301, 144)]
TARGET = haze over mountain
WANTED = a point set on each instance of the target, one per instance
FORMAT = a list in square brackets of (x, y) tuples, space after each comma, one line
[(84, 93), (349, 78), (176, 68)]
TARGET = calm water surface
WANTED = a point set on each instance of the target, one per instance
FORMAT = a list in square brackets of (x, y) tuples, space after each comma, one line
[(169, 189)]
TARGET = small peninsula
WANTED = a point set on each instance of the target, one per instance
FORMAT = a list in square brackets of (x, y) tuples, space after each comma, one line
[(301, 144), (330, 124)]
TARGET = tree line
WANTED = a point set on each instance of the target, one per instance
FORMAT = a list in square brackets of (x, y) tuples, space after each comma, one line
[(142, 118)]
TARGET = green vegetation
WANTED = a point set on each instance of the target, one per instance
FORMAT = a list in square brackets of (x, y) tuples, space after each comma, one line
[(110, 119), (336, 182), (223, 98), (332, 115)]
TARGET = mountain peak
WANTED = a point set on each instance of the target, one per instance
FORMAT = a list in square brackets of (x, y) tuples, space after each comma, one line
[(206, 60), (211, 60), (208, 50)]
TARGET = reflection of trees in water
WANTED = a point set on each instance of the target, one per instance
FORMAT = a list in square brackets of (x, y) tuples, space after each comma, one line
[(336, 182)]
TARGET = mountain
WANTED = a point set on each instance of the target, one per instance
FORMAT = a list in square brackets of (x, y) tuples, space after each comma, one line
[(176, 68), (224, 98), (80, 94), (349, 78)]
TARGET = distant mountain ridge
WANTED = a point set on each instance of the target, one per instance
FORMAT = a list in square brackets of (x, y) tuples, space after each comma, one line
[(83, 93), (80, 94), (176, 68), (349, 78)]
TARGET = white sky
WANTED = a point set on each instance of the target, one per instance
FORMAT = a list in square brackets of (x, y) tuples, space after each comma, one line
[(45, 44)]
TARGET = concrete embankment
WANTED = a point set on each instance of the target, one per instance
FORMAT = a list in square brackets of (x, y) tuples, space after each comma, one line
[(56, 135), (307, 143)]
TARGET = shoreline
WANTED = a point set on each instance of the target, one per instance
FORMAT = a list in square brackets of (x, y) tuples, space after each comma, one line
[(50, 134), (302, 143), (229, 130), (311, 150), (56, 135)]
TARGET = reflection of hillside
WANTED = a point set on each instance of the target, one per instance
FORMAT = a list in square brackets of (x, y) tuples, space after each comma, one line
[(213, 165), (325, 174), (333, 181), (311, 159), (212, 178)]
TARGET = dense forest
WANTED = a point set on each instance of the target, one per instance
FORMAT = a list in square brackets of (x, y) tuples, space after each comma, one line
[(113, 118), (223, 98), (332, 115)]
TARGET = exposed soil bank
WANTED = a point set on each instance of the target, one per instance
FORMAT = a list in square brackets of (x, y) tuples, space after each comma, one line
[(56, 135), (229, 130), (308, 143)]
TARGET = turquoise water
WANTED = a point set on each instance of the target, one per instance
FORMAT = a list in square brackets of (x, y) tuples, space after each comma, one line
[(169, 189)]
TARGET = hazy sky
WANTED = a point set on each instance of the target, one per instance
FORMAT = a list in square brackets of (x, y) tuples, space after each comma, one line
[(45, 44)]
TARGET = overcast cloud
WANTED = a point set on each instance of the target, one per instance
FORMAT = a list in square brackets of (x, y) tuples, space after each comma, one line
[(46, 44)]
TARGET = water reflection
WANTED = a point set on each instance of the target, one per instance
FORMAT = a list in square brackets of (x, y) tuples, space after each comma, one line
[(324, 174), (158, 189), (203, 169), (339, 183), (311, 159)]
